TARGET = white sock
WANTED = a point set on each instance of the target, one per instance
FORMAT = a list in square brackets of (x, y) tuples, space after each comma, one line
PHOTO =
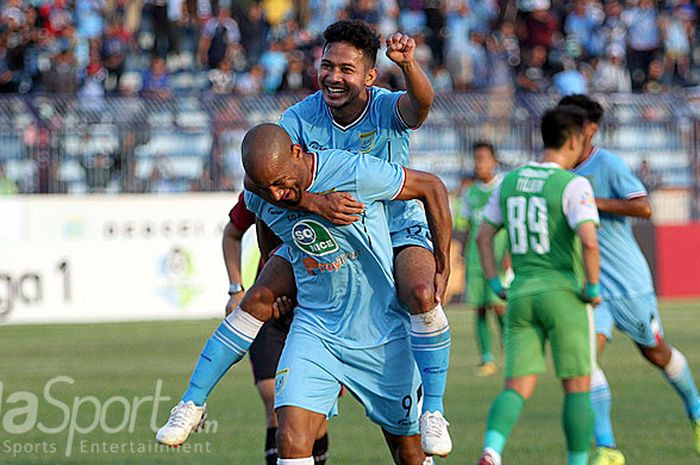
[(429, 322), (676, 365), (304, 461), (494, 455)]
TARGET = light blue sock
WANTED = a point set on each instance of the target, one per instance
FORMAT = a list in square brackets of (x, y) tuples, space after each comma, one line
[(678, 374), (430, 341), (601, 399), (226, 346)]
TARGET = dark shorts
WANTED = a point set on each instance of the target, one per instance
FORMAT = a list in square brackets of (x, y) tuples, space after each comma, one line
[(266, 350)]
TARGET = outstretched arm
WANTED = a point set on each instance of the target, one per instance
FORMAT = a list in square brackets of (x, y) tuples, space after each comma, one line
[(414, 106), (430, 190), (638, 206)]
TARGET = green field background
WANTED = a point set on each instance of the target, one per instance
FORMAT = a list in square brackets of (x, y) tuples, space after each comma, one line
[(128, 360)]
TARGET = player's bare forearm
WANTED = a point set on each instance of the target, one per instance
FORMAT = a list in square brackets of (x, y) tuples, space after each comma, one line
[(591, 254), (484, 241), (638, 207), (430, 190), (414, 106), (231, 246)]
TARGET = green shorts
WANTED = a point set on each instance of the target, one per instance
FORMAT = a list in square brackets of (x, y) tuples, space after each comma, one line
[(479, 294), (559, 316)]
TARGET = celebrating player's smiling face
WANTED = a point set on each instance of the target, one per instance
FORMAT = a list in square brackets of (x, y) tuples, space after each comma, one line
[(344, 75)]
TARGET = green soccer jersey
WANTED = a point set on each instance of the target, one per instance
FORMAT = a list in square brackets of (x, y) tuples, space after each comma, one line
[(473, 207), (541, 205)]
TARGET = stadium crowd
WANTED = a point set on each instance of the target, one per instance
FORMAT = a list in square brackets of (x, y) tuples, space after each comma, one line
[(159, 48)]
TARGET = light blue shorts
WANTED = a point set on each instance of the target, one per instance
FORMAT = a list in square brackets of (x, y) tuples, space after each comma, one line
[(384, 379), (408, 225), (638, 317)]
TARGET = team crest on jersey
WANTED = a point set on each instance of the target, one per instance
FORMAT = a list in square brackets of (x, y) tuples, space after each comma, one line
[(281, 380), (587, 199), (367, 141), (314, 238)]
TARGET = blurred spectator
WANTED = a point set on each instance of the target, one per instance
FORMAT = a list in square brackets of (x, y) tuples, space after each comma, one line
[(435, 25), (532, 76), (114, 51), (365, 10), (441, 79), (655, 81), (412, 17), (222, 78), (99, 169), (253, 30), (611, 74), (155, 81), (252, 82), (89, 16), (538, 28), (165, 15), (7, 185), (643, 40), (677, 32), (581, 25), (274, 62), (62, 77), (479, 61), (160, 182), (220, 39), (296, 78), (570, 80)]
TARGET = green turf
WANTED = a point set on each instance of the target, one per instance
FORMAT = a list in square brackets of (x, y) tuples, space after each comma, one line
[(127, 360)]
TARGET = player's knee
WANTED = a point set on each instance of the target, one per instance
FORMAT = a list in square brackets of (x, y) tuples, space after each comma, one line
[(422, 298), (258, 303), (293, 443)]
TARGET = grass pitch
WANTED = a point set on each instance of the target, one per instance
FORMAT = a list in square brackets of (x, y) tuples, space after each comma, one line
[(98, 389)]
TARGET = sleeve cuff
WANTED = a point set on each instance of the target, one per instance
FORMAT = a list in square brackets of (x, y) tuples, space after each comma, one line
[(581, 223)]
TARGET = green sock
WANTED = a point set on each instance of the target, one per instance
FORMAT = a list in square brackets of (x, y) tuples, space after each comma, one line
[(578, 426), (503, 415), (483, 338)]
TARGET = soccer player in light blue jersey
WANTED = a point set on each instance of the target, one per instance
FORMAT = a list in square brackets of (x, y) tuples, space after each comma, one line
[(629, 300), (350, 113), (349, 327)]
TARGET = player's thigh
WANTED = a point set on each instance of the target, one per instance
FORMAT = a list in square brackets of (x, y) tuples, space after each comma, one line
[(297, 431), (638, 317), (523, 339), (405, 450), (308, 374), (476, 291), (266, 349), (569, 326), (276, 280), (386, 381)]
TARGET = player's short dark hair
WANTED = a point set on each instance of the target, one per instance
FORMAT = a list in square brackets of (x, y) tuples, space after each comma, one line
[(482, 144), (593, 109), (357, 33), (560, 123)]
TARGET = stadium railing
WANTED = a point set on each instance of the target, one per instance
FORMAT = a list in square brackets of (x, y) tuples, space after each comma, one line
[(51, 144)]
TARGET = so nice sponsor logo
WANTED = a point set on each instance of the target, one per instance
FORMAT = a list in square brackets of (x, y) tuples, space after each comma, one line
[(314, 238)]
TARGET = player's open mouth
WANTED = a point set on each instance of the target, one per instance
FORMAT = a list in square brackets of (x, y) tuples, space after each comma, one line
[(332, 90)]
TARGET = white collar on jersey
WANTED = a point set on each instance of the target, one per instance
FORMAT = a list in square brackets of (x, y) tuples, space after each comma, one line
[(358, 119), (546, 164)]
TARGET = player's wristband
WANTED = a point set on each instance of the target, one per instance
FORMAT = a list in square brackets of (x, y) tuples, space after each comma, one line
[(592, 290), (235, 288), (496, 286)]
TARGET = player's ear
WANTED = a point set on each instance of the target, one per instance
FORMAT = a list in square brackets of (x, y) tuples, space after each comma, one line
[(371, 76), (297, 151)]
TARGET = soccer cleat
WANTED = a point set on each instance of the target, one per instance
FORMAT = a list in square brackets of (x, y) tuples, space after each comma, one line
[(486, 369), (185, 418), (607, 456), (696, 431), (434, 437), (428, 461), (489, 457)]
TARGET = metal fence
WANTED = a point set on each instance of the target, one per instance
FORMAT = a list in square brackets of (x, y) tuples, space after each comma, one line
[(50, 144)]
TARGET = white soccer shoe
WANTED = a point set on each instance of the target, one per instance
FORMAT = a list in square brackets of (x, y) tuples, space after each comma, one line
[(434, 437), (185, 418)]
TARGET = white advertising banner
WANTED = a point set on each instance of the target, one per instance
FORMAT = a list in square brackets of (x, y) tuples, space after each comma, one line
[(112, 258)]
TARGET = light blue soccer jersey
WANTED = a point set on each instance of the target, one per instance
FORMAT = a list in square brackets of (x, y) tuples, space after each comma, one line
[(379, 131), (624, 271), (344, 274)]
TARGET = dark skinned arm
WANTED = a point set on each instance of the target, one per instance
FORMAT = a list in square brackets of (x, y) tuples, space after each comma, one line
[(638, 207), (430, 190)]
